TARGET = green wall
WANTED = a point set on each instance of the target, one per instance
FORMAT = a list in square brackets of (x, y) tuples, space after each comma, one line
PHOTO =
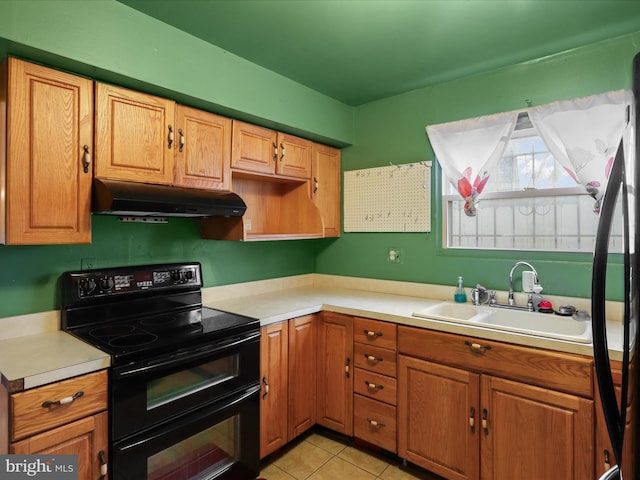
[(393, 130), (108, 41), (128, 48)]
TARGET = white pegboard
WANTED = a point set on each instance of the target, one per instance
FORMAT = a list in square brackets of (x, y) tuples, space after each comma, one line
[(396, 198)]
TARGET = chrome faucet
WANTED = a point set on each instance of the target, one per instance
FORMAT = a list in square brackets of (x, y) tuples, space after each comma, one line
[(535, 284)]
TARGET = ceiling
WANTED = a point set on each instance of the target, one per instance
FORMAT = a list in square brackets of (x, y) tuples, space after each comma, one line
[(357, 51)]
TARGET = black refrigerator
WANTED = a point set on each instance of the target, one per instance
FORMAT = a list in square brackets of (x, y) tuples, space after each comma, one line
[(619, 396)]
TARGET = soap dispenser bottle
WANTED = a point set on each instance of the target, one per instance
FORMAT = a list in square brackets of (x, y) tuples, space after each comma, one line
[(460, 296)]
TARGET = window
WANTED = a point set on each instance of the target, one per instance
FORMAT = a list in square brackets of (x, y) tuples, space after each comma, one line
[(530, 203)]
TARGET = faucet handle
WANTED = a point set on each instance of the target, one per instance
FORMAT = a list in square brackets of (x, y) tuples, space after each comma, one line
[(479, 295), (492, 297)]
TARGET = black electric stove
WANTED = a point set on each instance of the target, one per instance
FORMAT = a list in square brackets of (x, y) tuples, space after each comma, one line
[(142, 311)]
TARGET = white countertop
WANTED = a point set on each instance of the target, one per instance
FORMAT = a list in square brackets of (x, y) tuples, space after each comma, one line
[(33, 351)]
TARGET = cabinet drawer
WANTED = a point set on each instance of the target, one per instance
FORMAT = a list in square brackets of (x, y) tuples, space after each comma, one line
[(374, 385), (375, 422), (31, 415), (376, 359), (375, 332), (555, 370)]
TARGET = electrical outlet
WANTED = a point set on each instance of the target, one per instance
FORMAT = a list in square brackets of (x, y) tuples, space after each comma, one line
[(394, 255), (87, 263)]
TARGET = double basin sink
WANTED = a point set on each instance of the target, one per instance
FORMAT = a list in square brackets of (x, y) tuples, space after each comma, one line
[(546, 325)]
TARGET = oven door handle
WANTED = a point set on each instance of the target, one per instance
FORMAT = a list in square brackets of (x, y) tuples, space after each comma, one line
[(186, 356), (194, 418)]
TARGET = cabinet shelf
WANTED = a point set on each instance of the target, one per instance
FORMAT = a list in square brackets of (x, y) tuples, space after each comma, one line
[(277, 209)]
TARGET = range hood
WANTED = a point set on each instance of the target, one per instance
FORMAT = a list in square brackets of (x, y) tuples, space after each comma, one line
[(141, 199)]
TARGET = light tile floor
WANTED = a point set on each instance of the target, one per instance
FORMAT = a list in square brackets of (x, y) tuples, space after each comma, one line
[(321, 456)]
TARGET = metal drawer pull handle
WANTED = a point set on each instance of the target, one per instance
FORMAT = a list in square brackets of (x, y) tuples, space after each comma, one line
[(315, 184), (374, 423), (347, 367), (373, 386), (103, 465), (607, 464), (484, 421), (64, 400), (281, 152), (472, 420), (369, 333), (275, 152), (371, 358), (477, 347), (266, 388)]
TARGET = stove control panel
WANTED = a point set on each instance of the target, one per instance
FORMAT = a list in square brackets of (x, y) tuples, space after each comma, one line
[(93, 283)]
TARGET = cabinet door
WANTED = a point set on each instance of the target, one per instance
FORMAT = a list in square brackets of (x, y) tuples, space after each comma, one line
[(274, 347), (438, 418), (135, 137), (603, 450), (294, 156), (302, 375), (533, 433), (335, 372), (203, 150), (49, 123), (87, 438), (326, 187), (254, 148)]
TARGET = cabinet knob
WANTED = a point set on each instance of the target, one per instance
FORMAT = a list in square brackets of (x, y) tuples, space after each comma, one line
[(347, 367), (86, 158), (62, 401)]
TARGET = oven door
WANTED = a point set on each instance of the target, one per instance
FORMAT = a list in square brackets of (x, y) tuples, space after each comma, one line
[(220, 441), (148, 393)]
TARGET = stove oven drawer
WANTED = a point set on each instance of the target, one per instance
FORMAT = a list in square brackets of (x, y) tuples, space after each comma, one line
[(49, 406)]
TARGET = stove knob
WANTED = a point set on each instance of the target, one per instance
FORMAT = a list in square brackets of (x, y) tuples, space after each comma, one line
[(106, 283), (176, 275), (86, 286), (188, 274)]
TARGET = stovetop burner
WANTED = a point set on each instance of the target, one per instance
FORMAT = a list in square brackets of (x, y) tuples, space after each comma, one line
[(133, 340)]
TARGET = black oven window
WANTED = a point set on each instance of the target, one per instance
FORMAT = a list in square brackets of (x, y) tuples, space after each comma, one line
[(177, 385), (203, 455)]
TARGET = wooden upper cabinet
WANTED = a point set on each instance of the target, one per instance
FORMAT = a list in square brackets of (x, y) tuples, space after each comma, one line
[(203, 150), (254, 148), (46, 119), (325, 185), (136, 136), (294, 156), (260, 150)]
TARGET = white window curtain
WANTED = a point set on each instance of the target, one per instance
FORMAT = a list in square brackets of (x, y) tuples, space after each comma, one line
[(468, 151), (583, 135)]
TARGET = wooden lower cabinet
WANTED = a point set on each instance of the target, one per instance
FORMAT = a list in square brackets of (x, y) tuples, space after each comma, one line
[(274, 365), (462, 421), (288, 378), (87, 438), (438, 418), (335, 372)]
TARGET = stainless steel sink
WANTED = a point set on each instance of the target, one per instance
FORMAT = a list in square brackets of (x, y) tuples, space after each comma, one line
[(522, 322)]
